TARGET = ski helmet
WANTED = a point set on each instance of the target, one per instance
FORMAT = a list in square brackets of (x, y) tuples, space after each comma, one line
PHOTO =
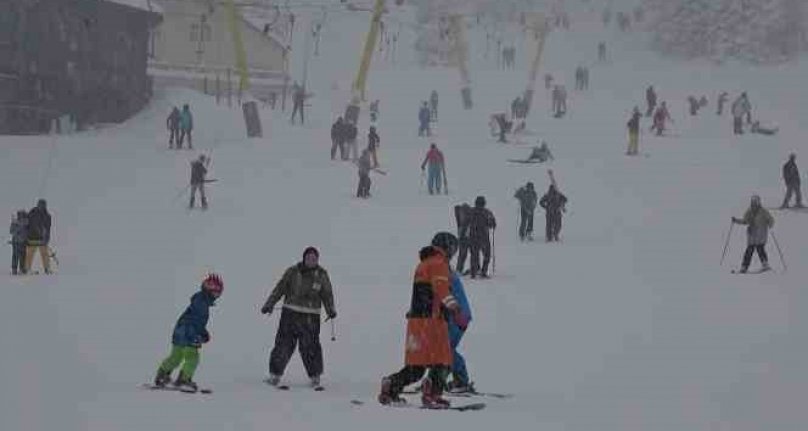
[(213, 284), (446, 241)]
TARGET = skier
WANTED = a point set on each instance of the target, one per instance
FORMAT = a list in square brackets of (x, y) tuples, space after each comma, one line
[(585, 78), (337, 138), (199, 169), (437, 168), (660, 116), (501, 121), (189, 334), (352, 147), (634, 132), (374, 110), (481, 220), (694, 105), (527, 205), (173, 125), (38, 236), (363, 189), (460, 383), (423, 118), (602, 51), (373, 145), (554, 203), (516, 108), (463, 219), (186, 126), (427, 343), (651, 100), (722, 100), (19, 235), (548, 81), (305, 288), (540, 154), (298, 99), (758, 221), (791, 176), (740, 109), (433, 106)]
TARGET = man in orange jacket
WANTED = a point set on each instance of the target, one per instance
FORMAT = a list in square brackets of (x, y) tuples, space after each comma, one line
[(427, 343)]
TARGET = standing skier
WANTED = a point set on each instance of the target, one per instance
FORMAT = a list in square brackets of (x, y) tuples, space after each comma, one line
[(527, 205), (363, 189), (351, 133), (373, 145), (463, 219), (189, 334), (423, 120), (173, 125), (19, 234), (427, 344), (791, 176), (660, 117), (740, 109), (305, 288), (437, 168), (337, 133), (758, 221), (433, 106), (480, 223), (634, 132), (722, 100), (602, 51), (553, 203), (298, 100), (650, 100), (199, 169), (186, 126), (38, 236)]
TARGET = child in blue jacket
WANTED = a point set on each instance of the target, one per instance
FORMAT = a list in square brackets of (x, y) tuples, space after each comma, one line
[(190, 333), (457, 327)]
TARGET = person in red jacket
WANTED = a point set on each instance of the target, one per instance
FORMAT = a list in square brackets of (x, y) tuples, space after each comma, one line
[(437, 168)]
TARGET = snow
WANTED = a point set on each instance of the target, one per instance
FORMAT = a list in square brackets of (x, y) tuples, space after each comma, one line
[(148, 5), (628, 324)]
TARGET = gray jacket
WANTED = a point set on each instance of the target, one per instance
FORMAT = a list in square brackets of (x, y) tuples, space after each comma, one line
[(304, 290), (758, 221)]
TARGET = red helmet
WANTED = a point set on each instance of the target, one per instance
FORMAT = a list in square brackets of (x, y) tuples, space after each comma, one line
[(213, 284)]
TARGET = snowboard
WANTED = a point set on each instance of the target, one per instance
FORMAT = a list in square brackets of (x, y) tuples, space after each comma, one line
[(458, 408), (172, 388), (759, 271)]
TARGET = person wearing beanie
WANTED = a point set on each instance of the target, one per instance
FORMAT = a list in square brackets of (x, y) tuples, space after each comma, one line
[(481, 222), (305, 288)]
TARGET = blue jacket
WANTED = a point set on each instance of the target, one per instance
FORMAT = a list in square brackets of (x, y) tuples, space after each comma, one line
[(190, 329), (424, 115), (459, 294)]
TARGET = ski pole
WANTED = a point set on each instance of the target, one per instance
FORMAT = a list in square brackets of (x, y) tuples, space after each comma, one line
[(779, 251), (494, 251), (333, 331), (726, 244)]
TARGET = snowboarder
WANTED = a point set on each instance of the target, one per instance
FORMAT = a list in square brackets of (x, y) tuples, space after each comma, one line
[(423, 119), (634, 132), (373, 145), (363, 189), (554, 203), (305, 288), (758, 221), (694, 105), (19, 235), (189, 334), (660, 117), (651, 100), (38, 236), (740, 109), (437, 169), (527, 205), (173, 125), (433, 106), (199, 169), (186, 126), (427, 344), (481, 221), (791, 176), (722, 100), (298, 100), (463, 219), (461, 382), (540, 154), (337, 138)]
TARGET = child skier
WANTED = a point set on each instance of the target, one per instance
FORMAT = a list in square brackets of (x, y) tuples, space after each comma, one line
[(19, 236), (758, 221), (190, 333)]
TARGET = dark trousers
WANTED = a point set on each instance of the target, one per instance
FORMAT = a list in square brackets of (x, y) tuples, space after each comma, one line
[(18, 258), (363, 190), (761, 251), (335, 143), (201, 188), (294, 328), (792, 189), (183, 134), (423, 130), (552, 225), (480, 245), (174, 136), (298, 107), (525, 223), (413, 373), (737, 125), (463, 250)]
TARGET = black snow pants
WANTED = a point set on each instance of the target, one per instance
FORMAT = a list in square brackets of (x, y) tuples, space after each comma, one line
[(363, 189), (480, 245), (761, 251), (462, 253), (737, 125), (294, 328), (552, 225), (525, 223), (18, 258)]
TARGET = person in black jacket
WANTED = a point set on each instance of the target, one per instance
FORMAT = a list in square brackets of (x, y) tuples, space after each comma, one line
[(527, 205), (481, 221), (373, 145), (19, 234), (553, 203), (337, 138), (39, 232), (634, 132), (199, 168), (173, 125), (791, 176), (462, 216)]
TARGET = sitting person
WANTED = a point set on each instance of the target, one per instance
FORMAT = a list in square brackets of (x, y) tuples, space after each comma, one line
[(541, 154), (762, 130)]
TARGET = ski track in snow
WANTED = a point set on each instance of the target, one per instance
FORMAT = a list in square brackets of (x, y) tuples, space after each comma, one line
[(628, 324)]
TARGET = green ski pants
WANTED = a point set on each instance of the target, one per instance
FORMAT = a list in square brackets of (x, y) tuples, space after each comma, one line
[(188, 356)]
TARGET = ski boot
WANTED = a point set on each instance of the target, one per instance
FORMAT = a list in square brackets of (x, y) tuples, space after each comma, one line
[(185, 384), (766, 267), (204, 203), (273, 380), (743, 270), (459, 387), (386, 395), (315, 383), (431, 396), (162, 378)]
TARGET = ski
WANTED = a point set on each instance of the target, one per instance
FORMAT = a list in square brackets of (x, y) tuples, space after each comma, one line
[(501, 396), (759, 271), (172, 388), (458, 408), (525, 162)]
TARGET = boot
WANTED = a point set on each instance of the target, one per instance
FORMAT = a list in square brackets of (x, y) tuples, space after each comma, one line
[(386, 395), (766, 266), (273, 379), (315, 382), (458, 387), (162, 378), (431, 396), (185, 384), (204, 203)]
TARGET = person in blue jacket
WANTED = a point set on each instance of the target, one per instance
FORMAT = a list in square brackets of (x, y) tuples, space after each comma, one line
[(190, 333), (460, 377)]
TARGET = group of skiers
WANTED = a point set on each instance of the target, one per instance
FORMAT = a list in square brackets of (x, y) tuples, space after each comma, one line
[(554, 204), (180, 125), (31, 233), (581, 78), (475, 226), (343, 138)]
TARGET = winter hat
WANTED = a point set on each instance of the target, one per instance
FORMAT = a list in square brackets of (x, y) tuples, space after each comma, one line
[(445, 241), (311, 250), (479, 202), (529, 185)]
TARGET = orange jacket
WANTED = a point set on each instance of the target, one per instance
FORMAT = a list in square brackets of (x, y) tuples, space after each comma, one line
[(427, 342)]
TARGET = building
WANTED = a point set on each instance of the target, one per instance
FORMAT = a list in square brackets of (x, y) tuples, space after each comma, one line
[(193, 47), (82, 59)]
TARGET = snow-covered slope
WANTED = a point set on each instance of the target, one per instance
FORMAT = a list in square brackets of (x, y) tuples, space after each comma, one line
[(629, 324)]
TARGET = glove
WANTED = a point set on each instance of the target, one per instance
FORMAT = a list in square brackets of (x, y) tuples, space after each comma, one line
[(205, 338), (266, 309), (461, 319), (332, 315)]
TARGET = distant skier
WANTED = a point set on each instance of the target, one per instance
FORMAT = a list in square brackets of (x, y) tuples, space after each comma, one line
[(337, 138), (463, 219), (740, 109), (481, 223), (722, 100), (423, 120), (650, 100), (436, 163), (758, 221), (554, 203), (173, 125), (364, 165), (693, 104), (373, 145), (458, 325), (791, 176), (38, 236), (661, 116), (634, 132), (19, 235), (374, 111), (433, 106), (351, 133), (199, 169), (527, 206), (559, 101), (298, 100), (190, 333), (427, 345), (186, 126), (548, 81), (304, 288), (602, 51)]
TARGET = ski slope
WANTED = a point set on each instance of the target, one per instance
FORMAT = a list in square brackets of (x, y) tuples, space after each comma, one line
[(628, 324)]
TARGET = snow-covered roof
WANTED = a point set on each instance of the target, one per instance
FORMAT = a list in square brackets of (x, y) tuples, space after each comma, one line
[(147, 5)]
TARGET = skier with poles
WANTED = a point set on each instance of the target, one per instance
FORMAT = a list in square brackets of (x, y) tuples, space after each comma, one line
[(189, 334), (199, 169), (791, 176), (437, 169), (481, 221), (527, 205), (463, 219), (554, 203), (758, 221), (423, 119), (305, 288), (427, 344)]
